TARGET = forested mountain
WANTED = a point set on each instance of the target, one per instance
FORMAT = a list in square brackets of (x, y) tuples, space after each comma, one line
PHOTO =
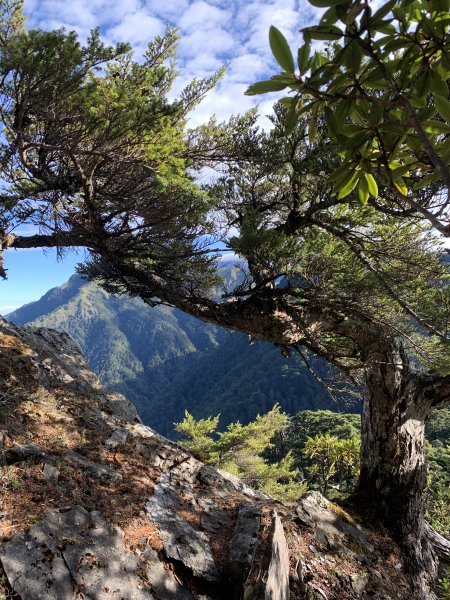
[(166, 361)]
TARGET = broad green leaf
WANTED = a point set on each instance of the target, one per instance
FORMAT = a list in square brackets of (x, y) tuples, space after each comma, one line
[(440, 5), (386, 27), (325, 32), (303, 57), (292, 116), (331, 121), (400, 171), (400, 185), (438, 86), (350, 185), (286, 101), (433, 126), (342, 109), (363, 191), (341, 174), (280, 50), (382, 12), (371, 185), (426, 181), (263, 87), (312, 129), (329, 17), (443, 107), (353, 56), (352, 13)]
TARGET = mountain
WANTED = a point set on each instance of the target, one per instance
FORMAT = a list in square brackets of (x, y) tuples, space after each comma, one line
[(166, 361), (96, 505)]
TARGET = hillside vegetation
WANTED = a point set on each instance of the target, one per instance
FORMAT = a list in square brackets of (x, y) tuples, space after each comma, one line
[(167, 362)]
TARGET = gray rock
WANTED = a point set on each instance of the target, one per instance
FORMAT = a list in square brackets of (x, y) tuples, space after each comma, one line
[(51, 474), (58, 362), (57, 358), (329, 526), (119, 436), (164, 585), (94, 469), (72, 553), (181, 541), (243, 543), (277, 583), (120, 406), (213, 520), (184, 543), (22, 452), (359, 582)]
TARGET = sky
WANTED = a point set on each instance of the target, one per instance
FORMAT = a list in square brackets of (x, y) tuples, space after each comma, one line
[(214, 32)]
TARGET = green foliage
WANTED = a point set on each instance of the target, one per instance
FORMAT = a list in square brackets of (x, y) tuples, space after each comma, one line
[(350, 257), (333, 459), (240, 448), (381, 86), (195, 434), (166, 361), (443, 585), (438, 489)]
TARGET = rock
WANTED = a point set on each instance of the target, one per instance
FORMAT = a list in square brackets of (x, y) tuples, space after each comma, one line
[(22, 452), (164, 585), (58, 362), (120, 406), (94, 469), (228, 482), (181, 541), (243, 543), (359, 582), (330, 524), (213, 520), (277, 584), (51, 474), (119, 436), (297, 583), (72, 553)]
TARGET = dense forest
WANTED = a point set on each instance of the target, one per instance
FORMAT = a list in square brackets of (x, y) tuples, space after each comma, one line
[(166, 361)]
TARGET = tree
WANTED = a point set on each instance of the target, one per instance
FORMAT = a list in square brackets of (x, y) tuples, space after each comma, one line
[(100, 160), (382, 88), (332, 458), (240, 449)]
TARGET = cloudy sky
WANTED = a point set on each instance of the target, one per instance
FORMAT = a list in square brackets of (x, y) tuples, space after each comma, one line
[(213, 32)]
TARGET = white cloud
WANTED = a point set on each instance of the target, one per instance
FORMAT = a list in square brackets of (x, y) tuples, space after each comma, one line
[(137, 28), (214, 32), (203, 15)]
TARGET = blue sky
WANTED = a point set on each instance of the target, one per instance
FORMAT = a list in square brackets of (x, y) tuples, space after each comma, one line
[(214, 33)]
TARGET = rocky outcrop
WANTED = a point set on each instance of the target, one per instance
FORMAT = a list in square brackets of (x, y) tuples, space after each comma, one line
[(95, 505)]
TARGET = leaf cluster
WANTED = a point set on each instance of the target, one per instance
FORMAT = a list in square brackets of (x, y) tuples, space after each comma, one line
[(381, 87)]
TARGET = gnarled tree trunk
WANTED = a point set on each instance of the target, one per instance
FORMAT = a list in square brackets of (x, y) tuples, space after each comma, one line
[(393, 467)]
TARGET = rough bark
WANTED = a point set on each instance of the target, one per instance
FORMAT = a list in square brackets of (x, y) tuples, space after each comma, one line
[(393, 467)]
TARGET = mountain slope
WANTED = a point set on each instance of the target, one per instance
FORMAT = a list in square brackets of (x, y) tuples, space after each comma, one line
[(94, 504), (166, 361)]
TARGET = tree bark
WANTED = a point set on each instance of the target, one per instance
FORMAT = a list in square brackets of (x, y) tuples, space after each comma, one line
[(393, 467)]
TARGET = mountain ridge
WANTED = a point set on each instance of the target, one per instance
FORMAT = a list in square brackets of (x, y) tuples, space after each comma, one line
[(167, 362)]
